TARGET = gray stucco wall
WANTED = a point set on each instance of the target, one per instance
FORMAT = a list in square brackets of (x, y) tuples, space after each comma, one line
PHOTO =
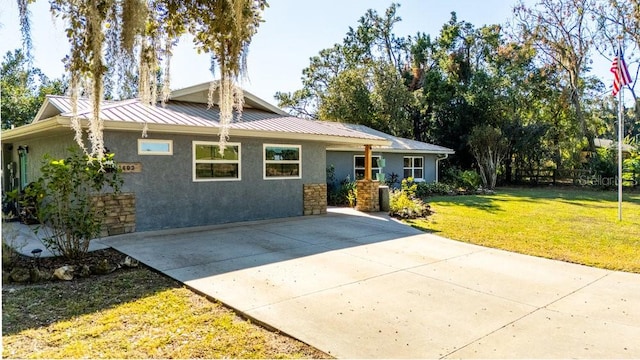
[(343, 163), (167, 196), (55, 146)]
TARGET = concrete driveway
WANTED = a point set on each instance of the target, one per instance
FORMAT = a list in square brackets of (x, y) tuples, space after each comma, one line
[(364, 286)]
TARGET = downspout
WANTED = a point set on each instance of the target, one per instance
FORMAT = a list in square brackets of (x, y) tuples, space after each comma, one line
[(438, 158)]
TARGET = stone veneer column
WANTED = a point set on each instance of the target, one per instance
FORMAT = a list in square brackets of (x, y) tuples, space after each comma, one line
[(315, 199), (368, 195), (120, 213)]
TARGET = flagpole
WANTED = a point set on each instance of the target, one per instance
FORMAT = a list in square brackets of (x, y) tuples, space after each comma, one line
[(621, 77), (620, 129)]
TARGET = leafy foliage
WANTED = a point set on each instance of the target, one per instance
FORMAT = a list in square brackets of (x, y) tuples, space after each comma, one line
[(147, 31), (425, 189), (23, 89), (359, 81), (632, 168), (403, 203), (527, 79), (468, 180), (561, 33), (603, 163), (65, 200), (340, 193)]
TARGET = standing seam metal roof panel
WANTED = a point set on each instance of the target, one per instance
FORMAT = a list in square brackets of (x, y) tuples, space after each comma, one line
[(195, 114)]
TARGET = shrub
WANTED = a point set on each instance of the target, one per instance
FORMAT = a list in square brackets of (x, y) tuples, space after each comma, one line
[(604, 165), (340, 194), (392, 180), (632, 168), (470, 180), (430, 189), (64, 197), (403, 203), (467, 180)]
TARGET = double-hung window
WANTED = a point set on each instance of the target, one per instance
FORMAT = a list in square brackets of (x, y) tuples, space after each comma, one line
[(282, 161), (358, 166), (211, 165), (414, 167)]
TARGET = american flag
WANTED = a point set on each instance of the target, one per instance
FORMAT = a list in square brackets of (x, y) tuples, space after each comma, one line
[(620, 72)]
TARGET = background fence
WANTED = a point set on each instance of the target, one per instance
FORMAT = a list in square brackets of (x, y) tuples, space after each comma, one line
[(575, 177)]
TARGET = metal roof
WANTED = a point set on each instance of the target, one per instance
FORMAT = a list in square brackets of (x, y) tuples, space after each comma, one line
[(183, 113), (397, 143), (302, 126)]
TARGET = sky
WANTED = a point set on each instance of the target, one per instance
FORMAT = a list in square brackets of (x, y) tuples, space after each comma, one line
[(293, 31)]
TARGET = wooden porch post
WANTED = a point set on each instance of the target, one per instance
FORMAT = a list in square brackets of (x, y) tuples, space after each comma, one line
[(367, 162)]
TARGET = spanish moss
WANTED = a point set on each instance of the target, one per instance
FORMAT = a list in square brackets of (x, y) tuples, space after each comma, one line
[(147, 30)]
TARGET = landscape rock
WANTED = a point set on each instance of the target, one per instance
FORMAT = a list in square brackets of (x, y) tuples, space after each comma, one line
[(85, 271), (20, 275), (37, 275), (64, 273), (103, 267), (130, 262)]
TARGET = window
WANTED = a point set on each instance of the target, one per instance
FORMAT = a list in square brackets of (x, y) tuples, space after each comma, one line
[(358, 166), (414, 167), (282, 161), (155, 147), (210, 165)]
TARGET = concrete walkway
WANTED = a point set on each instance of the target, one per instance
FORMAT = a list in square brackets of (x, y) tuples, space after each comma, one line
[(362, 286)]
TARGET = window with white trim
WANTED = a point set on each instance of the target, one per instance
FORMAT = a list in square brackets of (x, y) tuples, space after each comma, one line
[(210, 165), (155, 147), (414, 167), (358, 166), (282, 161)]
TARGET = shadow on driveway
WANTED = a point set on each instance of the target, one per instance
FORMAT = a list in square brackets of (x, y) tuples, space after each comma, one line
[(358, 285), (214, 250)]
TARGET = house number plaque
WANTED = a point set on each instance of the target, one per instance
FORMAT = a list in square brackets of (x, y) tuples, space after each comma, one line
[(130, 167)]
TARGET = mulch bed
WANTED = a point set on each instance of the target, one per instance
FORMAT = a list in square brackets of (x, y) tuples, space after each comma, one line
[(108, 260)]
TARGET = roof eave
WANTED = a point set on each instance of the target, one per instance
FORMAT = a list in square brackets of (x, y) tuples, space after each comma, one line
[(35, 128), (387, 150), (60, 122)]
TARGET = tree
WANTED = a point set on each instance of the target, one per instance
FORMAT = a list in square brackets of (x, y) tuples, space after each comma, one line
[(560, 30), (619, 25), (462, 86), (147, 31), (23, 89), (489, 147), (360, 80), (348, 99)]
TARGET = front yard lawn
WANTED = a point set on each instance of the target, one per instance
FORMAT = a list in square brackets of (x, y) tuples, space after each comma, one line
[(564, 224), (131, 314)]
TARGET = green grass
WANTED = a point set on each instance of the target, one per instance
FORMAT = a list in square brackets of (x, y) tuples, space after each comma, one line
[(132, 314), (564, 224)]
